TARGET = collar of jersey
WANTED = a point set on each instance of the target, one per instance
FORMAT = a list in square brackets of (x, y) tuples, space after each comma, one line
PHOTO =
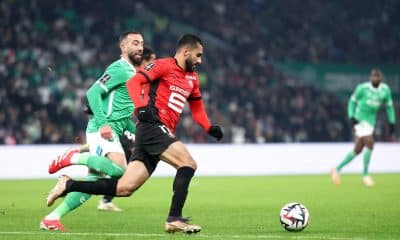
[(123, 59), (374, 88), (176, 62)]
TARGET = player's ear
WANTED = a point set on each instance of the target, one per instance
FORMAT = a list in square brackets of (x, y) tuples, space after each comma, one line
[(122, 45), (186, 51)]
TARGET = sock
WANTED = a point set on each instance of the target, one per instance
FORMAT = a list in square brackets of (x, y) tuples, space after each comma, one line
[(99, 164), (103, 186), (107, 199), (350, 156), (71, 201), (180, 187), (105, 165), (367, 157)]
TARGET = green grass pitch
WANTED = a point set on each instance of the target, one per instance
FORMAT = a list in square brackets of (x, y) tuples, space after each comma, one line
[(226, 208)]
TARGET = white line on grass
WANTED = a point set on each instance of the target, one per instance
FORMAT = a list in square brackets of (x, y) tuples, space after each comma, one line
[(150, 235)]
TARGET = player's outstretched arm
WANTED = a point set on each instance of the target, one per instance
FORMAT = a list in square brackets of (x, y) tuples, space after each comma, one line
[(200, 116)]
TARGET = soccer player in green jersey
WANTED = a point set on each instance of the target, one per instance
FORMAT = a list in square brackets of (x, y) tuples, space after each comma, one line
[(112, 109), (127, 139), (362, 109)]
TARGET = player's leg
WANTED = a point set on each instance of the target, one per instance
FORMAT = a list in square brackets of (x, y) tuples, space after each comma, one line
[(72, 201), (358, 146), (101, 152), (112, 150), (179, 157), (127, 141), (135, 175), (76, 199), (369, 146)]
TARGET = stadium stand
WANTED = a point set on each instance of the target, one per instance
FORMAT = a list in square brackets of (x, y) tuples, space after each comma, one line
[(51, 52)]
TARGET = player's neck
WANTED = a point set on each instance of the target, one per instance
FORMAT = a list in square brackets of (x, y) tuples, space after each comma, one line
[(126, 58), (180, 61), (375, 85)]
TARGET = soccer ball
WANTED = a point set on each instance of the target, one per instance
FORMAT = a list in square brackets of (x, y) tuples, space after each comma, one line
[(294, 217)]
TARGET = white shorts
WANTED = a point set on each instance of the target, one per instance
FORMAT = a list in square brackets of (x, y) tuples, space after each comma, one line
[(100, 146), (363, 129)]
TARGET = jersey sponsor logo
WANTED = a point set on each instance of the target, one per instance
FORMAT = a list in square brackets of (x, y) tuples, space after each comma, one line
[(373, 102), (105, 78), (179, 90), (149, 66), (191, 77)]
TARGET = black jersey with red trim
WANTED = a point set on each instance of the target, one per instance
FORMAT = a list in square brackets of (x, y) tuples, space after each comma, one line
[(170, 88)]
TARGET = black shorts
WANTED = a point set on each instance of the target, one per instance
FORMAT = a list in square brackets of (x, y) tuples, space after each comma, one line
[(127, 141), (151, 140)]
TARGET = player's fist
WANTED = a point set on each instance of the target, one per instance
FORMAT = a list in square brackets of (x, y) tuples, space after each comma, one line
[(87, 110), (106, 132), (146, 114), (216, 131), (353, 121)]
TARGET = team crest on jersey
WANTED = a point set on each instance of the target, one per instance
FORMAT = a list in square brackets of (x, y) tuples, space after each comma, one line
[(190, 79), (190, 83), (105, 78), (149, 66)]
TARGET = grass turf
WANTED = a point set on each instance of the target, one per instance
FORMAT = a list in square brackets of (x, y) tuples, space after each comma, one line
[(226, 208)]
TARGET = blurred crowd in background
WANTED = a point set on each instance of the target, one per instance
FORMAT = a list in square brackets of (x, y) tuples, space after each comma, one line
[(51, 52)]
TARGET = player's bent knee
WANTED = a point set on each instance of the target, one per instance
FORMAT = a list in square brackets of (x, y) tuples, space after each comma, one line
[(357, 151), (127, 190), (191, 164)]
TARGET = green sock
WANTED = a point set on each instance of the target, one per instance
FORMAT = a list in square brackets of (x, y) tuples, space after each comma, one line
[(73, 200), (350, 156), (367, 157), (82, 159), (105, 165), (100, 164)]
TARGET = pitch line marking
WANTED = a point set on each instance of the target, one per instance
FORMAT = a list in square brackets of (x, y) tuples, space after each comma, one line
[(200, 235)]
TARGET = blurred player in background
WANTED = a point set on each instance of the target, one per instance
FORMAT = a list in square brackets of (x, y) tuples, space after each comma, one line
[(148, 56), (173, 82), (362, 109), (112, 109)]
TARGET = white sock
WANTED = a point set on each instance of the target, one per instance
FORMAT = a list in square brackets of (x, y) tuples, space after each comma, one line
[(52, 216), (75, 158)]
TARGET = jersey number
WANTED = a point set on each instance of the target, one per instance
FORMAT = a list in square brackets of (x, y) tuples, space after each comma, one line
[(176, 102)]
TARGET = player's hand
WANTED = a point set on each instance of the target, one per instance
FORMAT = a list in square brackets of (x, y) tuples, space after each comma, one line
[(87, 110), (106, 132), (391, 129), (353, 121), (146, 114), (216, 131)]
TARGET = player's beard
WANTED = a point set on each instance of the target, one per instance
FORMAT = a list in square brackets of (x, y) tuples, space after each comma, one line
[(376, 84), (136, 59), (190, 67)]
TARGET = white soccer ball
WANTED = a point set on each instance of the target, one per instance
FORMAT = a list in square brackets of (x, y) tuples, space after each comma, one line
[(294, 217)]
